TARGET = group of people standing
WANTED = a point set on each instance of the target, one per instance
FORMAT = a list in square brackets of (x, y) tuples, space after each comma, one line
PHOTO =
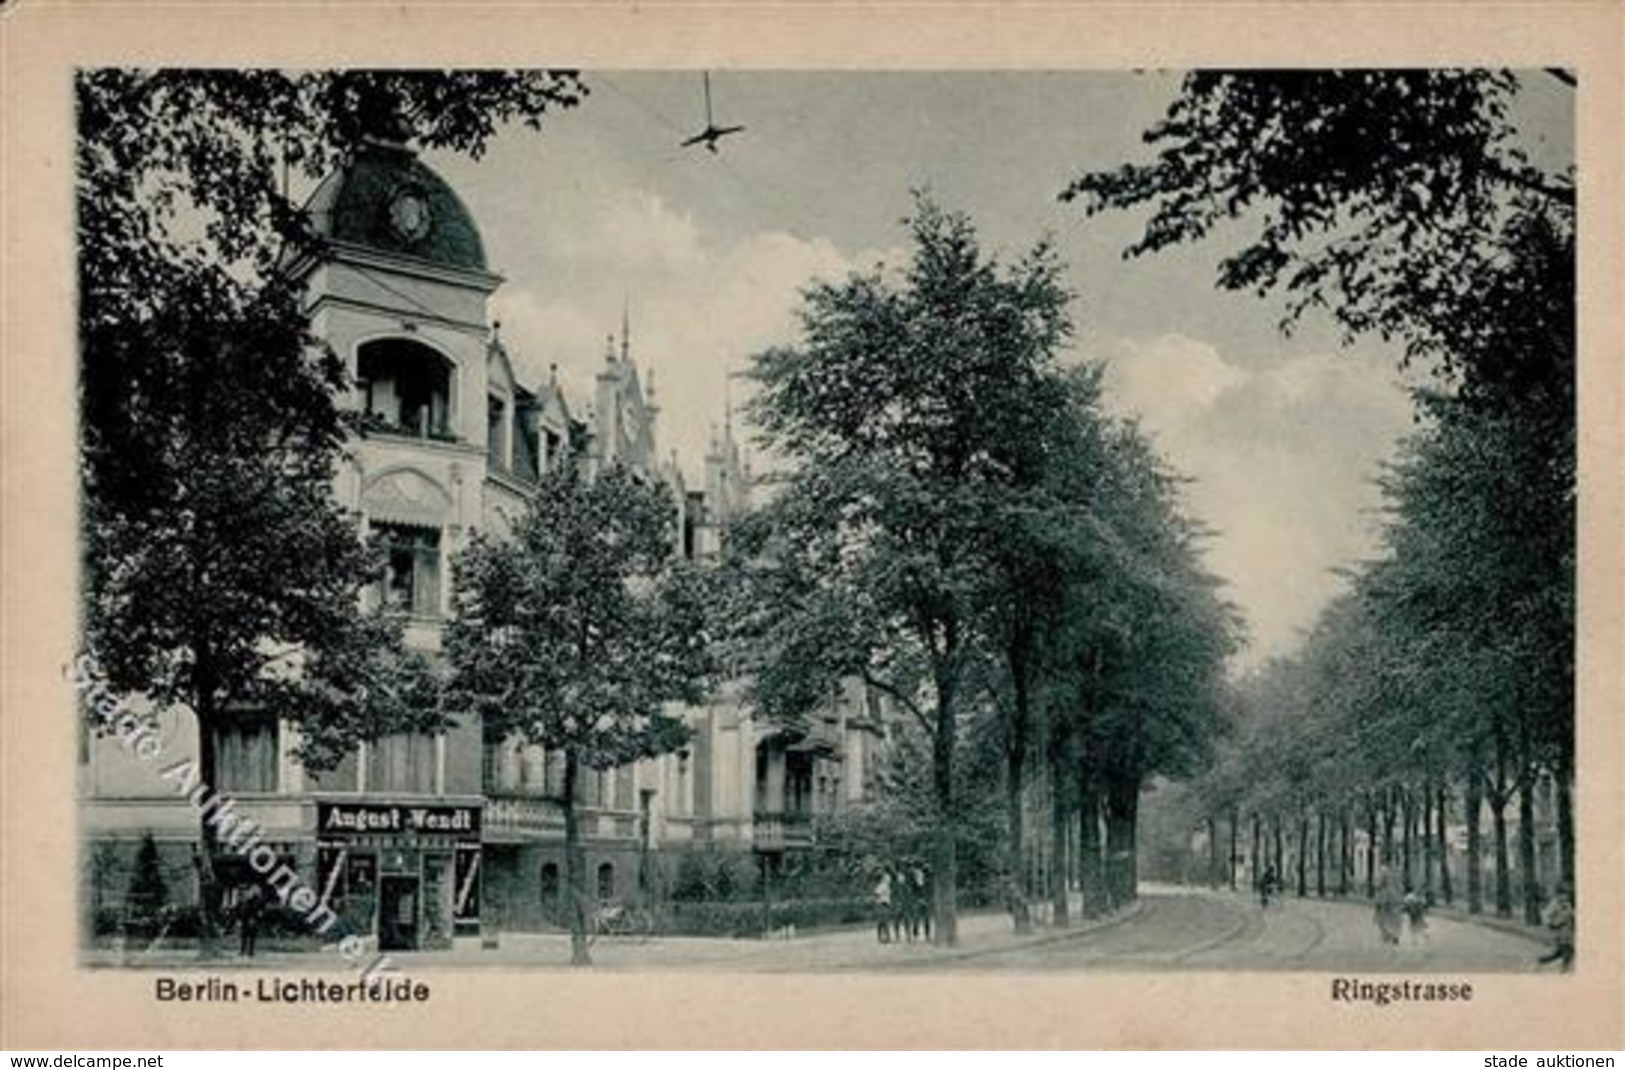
[(902, 901), (1402, 919), (1402, 913)]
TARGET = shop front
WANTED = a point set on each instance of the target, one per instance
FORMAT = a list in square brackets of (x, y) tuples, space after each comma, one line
[(408, 873)]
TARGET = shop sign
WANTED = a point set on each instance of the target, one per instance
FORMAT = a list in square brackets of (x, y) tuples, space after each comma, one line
[(357, 819)]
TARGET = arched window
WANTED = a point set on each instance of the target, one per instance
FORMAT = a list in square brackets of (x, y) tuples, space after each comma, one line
[(606, 880), (405, 388)]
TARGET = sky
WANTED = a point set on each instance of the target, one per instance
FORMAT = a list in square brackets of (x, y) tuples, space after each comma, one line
[(603, 211)]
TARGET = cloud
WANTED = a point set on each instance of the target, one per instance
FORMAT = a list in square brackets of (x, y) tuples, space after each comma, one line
[(1281, 456), (638, 233), (1169, 379), (1281, 451), (699, 307)]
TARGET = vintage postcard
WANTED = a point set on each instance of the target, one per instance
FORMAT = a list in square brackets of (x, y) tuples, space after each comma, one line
[(671, 526)]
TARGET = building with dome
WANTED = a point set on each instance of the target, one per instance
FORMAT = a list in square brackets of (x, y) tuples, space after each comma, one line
[(415, 839)]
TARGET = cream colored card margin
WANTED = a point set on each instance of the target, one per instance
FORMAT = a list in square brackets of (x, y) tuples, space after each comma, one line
[(46, 1001)]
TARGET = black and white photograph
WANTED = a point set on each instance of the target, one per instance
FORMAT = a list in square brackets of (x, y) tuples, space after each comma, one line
[(571, 521)]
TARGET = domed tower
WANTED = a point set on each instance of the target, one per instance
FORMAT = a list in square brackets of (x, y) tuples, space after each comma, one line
[(400, 292)]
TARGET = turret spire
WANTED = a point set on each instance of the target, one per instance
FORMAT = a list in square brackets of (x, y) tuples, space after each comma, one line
[(626, 328)]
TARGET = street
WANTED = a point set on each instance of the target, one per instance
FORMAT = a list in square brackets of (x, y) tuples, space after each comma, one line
[(1217, 931), (1168, 929)]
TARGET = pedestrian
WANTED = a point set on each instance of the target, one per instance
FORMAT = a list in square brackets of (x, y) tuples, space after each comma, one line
[(249, 912), (902, 905), (1266, 884), (1416, 918), (1389, 908), (922, 877), (882, 896), (1558, 917), (920, 897)]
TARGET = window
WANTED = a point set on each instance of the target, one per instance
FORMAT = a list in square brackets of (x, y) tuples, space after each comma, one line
[(490, 764), (553, 775), (406, 388), (606, 881), (798, 783), (552, 447), (402, 763), (524, 441), (679, 804), (341, 777), (495, 455), (691, 519), (246, 754), (533, 768), (411, 581), (503, 765)]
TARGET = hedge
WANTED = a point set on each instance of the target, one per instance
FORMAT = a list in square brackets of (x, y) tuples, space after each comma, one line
[(751, 919)]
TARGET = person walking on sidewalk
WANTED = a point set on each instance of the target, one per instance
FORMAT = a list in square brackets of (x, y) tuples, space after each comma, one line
[(1416, 918), (882, 896), (1389, 908), (1558, 917)]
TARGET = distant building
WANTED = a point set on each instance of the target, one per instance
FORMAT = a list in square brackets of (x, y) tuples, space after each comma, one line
[(418, 839)]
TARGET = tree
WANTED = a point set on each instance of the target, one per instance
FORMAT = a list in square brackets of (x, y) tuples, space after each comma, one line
[(1480, 567), (1401, 203), (895, 824), (228, 580), (578, 634), (1447, 661), (1039, 537), (148, 893), (1373, 191), (1108, 631), (219, 573), (895, 413)]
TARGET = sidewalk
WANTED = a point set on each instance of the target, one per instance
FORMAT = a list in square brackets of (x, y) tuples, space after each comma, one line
[(982, 933)]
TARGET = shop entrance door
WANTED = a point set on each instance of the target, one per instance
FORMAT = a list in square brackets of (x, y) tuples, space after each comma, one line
[(397, 913)]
